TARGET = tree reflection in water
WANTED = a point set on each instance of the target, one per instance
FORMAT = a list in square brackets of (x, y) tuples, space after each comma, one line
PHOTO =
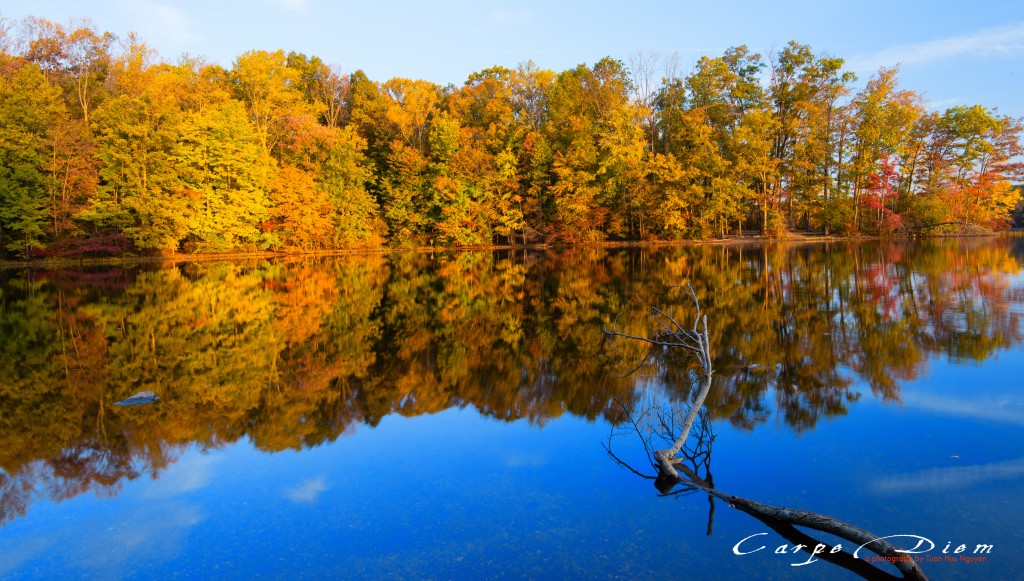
[(294, 353)]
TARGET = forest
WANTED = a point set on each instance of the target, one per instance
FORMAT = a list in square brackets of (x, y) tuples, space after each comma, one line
[(107, 148)]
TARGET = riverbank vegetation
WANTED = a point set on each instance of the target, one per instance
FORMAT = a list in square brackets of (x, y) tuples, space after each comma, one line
[(107, 148)]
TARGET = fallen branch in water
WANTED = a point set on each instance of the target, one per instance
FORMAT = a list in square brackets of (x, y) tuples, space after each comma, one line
[(778, 516), (696, 342)]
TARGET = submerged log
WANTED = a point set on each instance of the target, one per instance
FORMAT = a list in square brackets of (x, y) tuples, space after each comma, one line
[(787, 518)]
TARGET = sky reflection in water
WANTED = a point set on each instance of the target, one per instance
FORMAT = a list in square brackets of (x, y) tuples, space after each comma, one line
[(490, 392)]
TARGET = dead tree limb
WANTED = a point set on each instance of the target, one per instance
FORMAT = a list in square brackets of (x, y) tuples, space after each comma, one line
[(696, 342), (682, 471), (792, 517)]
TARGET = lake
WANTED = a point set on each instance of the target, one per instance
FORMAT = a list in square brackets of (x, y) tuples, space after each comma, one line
[(462, 415)]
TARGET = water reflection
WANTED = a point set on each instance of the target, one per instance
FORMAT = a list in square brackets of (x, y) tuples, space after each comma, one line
[(294, 353)]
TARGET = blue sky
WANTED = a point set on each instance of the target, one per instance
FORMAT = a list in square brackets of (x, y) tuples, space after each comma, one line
[(954, 52)]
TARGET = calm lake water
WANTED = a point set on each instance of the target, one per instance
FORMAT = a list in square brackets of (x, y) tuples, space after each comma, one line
[(449, 415)]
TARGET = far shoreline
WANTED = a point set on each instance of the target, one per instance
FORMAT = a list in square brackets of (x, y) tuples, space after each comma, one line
[(185, 258)]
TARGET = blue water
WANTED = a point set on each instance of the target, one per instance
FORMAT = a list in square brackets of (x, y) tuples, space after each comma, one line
[(455, 494)]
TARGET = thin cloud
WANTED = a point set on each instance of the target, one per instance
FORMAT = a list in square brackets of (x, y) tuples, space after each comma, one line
[(955, 478), (1005, 408), (187, 475), (149, 534), (943, 104), (306, 491), (996, 41), (16, 551), (155, 20)]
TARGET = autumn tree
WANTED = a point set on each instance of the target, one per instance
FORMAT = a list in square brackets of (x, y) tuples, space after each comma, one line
[(405, 188), (331, 175), (884, 117), (325, 86), (141, 193), (283, 150), (76, 58), (224, 175), (531, 91), (593, 129), (722, 92), (29, 111), (270, 90), (804, 92), (492, 129), (877, 200)]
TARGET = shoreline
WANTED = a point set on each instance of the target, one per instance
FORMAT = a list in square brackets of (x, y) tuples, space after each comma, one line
[(183, 258)]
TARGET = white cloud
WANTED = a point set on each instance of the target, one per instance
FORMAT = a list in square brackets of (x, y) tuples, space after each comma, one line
[(190, 473), (1000, 40), (953, 478), (1007, 408), (307, 491), (150, 533), (106, 544)]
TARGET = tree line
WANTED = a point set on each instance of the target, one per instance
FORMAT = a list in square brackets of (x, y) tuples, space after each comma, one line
[(106, 147)]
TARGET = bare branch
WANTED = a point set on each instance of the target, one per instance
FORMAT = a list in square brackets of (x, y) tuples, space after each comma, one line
[(673, 469), (695, 342)]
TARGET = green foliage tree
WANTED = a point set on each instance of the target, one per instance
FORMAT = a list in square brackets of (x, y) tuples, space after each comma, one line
[(141, 193), (29, 111)]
